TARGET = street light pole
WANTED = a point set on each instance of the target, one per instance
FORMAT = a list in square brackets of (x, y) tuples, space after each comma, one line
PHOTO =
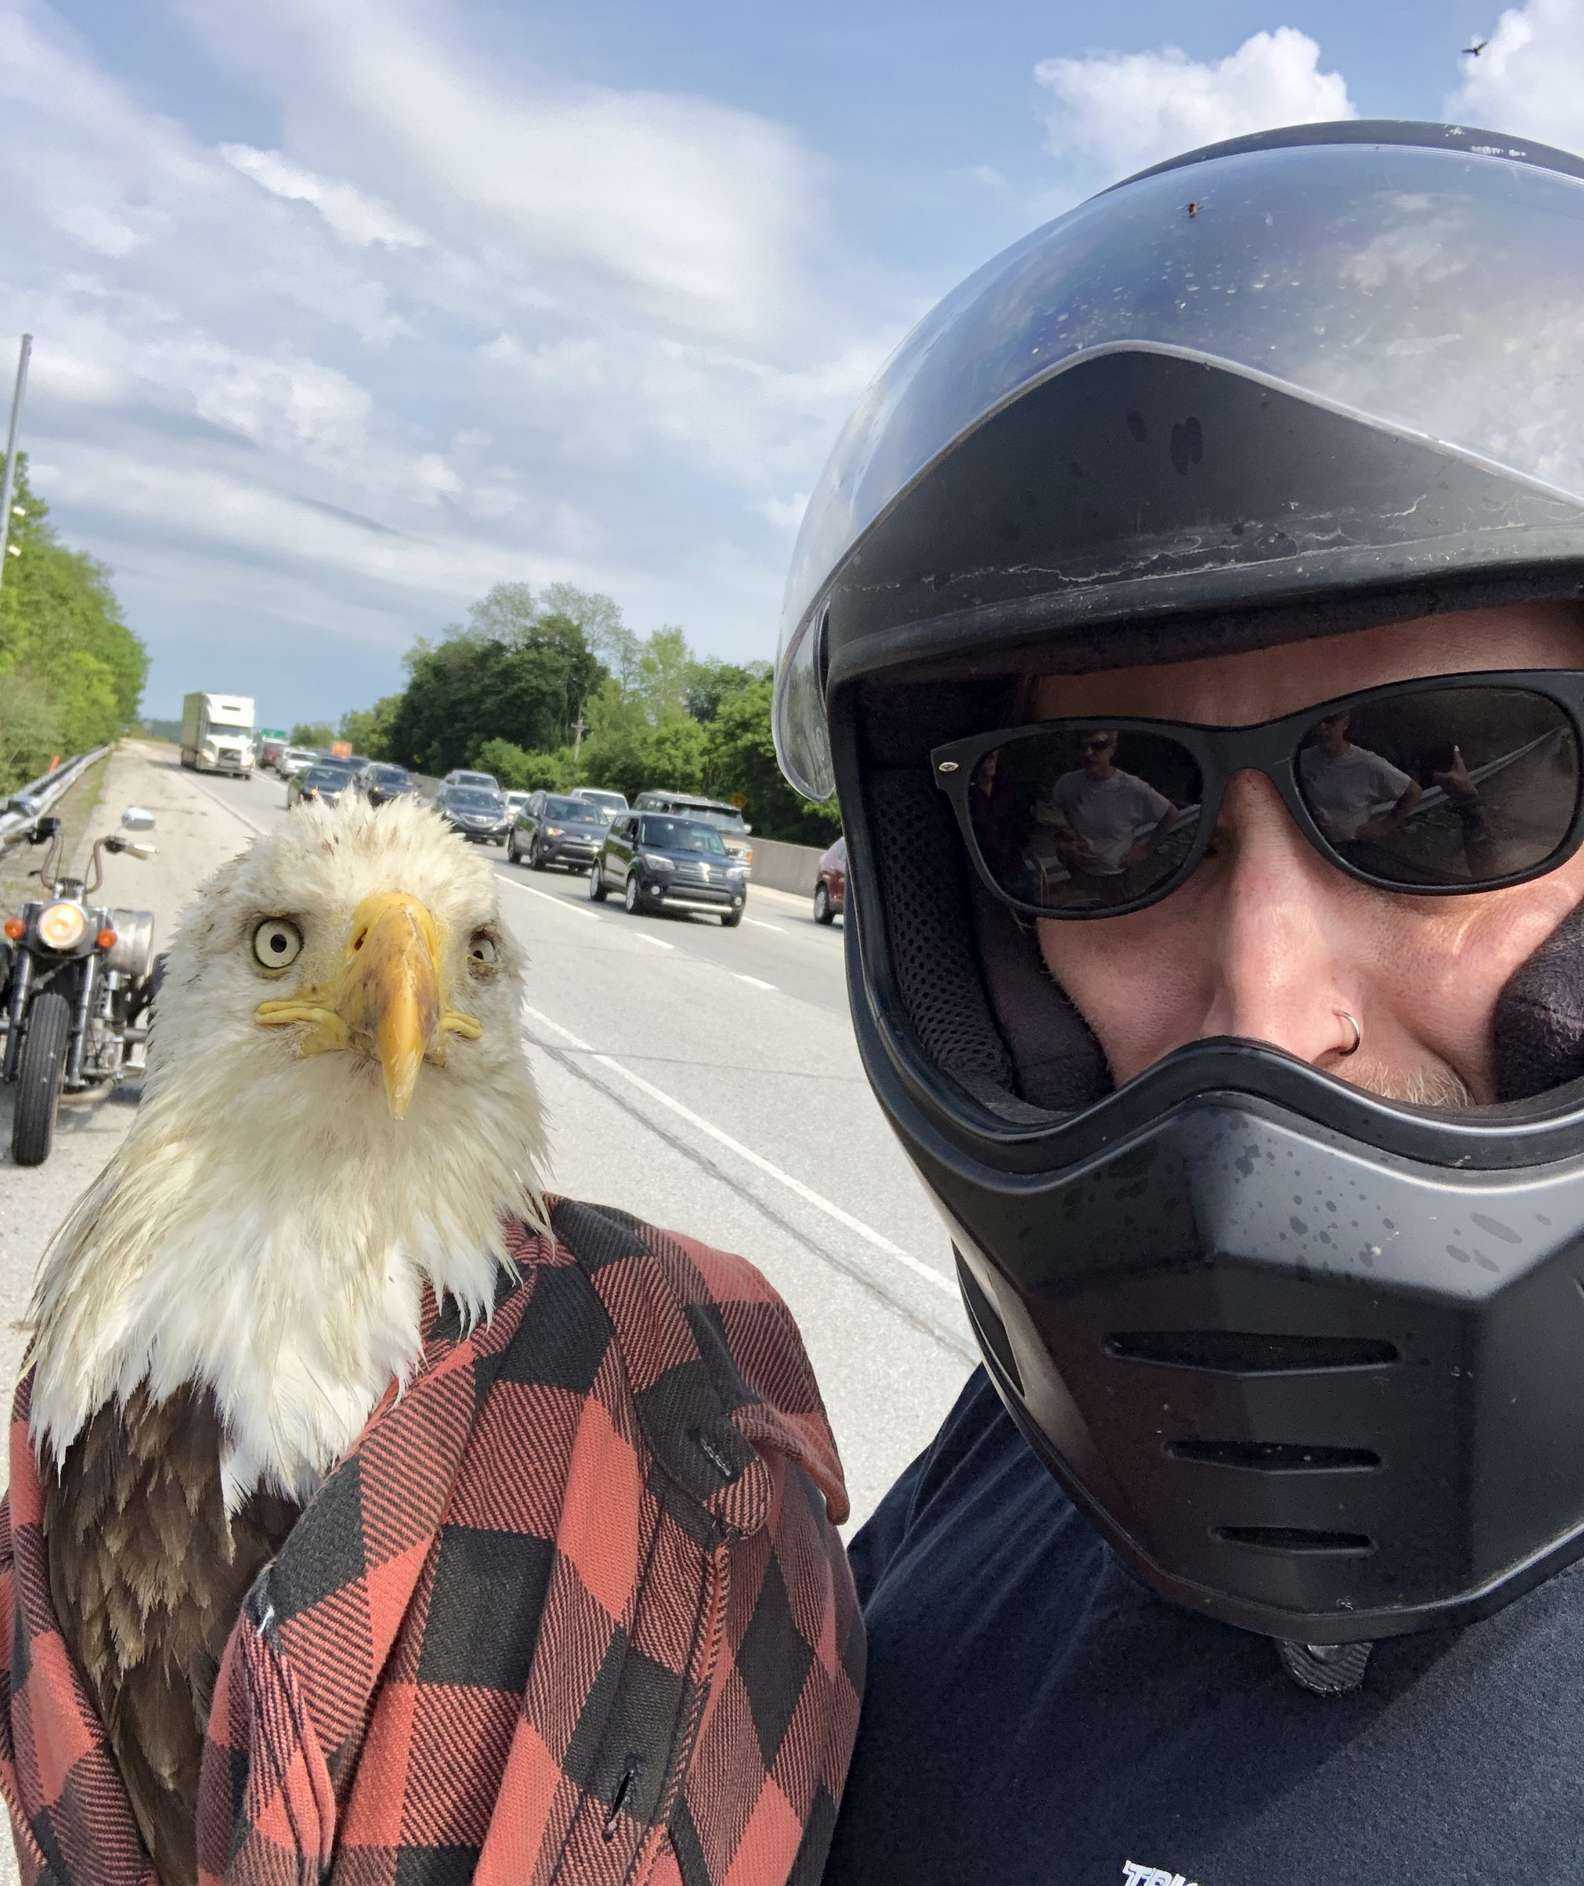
[(8, 484)]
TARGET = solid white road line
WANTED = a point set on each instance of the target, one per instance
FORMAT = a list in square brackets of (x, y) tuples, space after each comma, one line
[(225, 805), (906, 1259), (549, 896), (753, 981)]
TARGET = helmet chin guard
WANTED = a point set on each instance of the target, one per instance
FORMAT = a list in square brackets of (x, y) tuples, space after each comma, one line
[(1303, 1386)]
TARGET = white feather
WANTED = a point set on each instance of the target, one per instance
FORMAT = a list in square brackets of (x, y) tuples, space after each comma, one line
[(266, 1227)]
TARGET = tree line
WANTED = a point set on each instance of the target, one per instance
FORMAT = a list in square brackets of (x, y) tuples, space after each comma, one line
[(551, 688), (71, 671)]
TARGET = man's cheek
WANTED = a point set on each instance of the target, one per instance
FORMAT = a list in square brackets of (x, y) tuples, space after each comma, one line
[(1446, 975), (1140, 999)]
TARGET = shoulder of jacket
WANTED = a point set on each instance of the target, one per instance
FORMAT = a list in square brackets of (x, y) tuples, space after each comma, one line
[(721, 1383)]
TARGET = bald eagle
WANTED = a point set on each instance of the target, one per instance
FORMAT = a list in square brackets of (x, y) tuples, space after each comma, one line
[(338, 1110)]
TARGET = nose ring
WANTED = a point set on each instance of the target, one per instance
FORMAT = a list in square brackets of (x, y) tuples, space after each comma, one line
[(1358, 1033)]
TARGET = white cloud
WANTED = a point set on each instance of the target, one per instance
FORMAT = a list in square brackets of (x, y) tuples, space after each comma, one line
[(1126, 110), (1529, 80), (355, 217), (784, 514), (459, 322), (698, 212)]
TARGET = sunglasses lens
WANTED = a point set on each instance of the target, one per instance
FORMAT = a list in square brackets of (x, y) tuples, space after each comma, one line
[(1444, 787), (1080, 820)]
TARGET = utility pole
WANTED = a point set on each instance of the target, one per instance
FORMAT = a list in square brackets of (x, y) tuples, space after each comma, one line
[(8, 484)]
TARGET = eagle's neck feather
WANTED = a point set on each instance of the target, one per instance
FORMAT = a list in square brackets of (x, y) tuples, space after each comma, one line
[(279, 1261)]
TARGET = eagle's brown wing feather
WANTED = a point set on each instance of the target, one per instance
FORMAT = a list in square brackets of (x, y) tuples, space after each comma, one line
[(147, 1578)]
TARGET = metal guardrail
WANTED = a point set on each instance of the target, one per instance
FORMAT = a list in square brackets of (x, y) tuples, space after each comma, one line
[(34, 800)]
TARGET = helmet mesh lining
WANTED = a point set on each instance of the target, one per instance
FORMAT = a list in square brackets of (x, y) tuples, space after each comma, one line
[(930, 928)]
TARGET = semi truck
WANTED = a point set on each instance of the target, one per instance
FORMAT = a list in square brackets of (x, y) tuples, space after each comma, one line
[(217, 733)]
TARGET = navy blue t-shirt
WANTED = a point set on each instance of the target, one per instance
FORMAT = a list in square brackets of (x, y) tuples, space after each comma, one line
[(1036, 1717)]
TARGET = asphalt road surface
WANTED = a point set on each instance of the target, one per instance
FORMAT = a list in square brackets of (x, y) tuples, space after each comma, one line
[(705, 1079)]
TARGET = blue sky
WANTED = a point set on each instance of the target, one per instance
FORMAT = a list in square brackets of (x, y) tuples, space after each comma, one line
[(344, 313)]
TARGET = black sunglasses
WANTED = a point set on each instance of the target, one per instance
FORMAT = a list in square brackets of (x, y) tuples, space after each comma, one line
[(1447, 785)]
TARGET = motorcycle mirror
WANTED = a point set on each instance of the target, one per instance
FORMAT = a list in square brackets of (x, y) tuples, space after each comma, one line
[(137, 818), (45, 830), (140, 848)]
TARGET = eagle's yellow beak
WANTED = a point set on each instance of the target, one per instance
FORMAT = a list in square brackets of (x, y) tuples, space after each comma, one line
[(385, 1001)]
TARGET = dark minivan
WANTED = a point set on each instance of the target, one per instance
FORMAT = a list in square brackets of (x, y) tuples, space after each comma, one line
[(657, 862), (554, 829)]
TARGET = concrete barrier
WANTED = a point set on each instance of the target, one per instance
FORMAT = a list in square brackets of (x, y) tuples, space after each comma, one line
[(786, 867)]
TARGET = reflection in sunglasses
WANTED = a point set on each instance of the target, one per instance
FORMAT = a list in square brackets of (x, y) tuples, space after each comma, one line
[(1422, 787)]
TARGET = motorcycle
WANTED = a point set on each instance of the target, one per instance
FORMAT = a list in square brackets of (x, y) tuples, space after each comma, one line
[(76, 980)]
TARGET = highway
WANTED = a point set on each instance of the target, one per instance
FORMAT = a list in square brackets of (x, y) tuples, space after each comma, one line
[(705, 1079)]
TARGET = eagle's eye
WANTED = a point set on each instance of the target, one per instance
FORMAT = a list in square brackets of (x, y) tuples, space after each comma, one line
[(483, 952), (277, 943)]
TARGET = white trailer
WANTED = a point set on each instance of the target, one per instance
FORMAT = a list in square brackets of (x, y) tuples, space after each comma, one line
[(217, 733)]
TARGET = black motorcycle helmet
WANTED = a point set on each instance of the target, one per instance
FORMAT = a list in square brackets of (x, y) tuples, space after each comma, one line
[(1311, 1360)]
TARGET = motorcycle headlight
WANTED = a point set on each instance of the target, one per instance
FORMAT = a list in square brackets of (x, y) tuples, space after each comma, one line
[(656, 862), (60, 926)]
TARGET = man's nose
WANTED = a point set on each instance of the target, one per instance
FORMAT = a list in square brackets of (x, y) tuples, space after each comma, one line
[(1285, 965)]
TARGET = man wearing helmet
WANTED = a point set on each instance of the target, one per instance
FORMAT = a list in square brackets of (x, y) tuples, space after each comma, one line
[(1259, 1127)]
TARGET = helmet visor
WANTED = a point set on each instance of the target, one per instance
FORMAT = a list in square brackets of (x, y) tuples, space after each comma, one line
[(1437, 291)]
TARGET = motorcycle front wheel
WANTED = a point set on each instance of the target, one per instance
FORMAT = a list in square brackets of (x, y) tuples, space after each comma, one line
[(41, 1067)]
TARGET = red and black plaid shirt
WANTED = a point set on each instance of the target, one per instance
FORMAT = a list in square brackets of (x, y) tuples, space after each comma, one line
[(573, 1609)]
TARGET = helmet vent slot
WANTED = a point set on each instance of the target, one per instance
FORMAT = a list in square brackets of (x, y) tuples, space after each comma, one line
[(1235, 1352), (1293, 1539), (1276, 1456)]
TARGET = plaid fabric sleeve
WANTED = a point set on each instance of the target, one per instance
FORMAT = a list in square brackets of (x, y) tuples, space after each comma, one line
[(573, 1610), (70, 1817), (729, 1403)]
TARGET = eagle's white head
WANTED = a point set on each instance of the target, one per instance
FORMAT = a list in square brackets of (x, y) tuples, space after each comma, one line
[(338, 1107)]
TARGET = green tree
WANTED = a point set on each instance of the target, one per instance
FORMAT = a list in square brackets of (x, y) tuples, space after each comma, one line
[(369, 728), (516, 671), (27, 728), (599, 617), (742, 766), (714, 681), (71, 671), (665, 674), (312, 733), (518, 771)]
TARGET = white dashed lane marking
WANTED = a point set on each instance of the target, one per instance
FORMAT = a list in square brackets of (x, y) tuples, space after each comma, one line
[(753, 981), (925, 1272), (550, 897)]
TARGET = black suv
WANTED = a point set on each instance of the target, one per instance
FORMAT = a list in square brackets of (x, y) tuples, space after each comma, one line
[(658, 862), (553, 829)]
